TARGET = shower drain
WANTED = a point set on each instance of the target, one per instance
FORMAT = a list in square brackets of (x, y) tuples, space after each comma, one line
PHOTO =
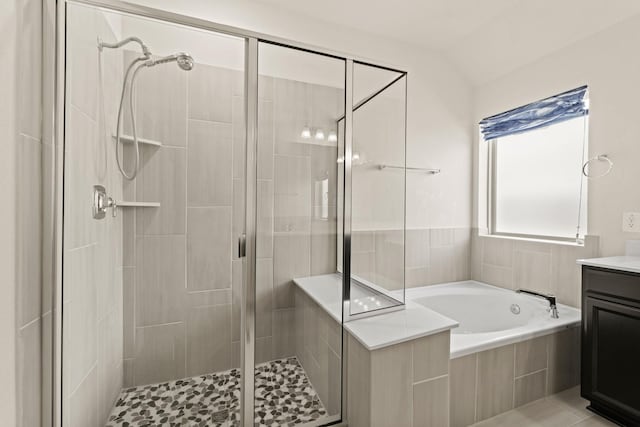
[(515, 308)]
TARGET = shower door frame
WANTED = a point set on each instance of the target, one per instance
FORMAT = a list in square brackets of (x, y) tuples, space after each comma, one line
[(54, 76)]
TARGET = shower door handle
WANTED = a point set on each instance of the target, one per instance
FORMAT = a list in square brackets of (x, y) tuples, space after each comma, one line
[(242, 246)]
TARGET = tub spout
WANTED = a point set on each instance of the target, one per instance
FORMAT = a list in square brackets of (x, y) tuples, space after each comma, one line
[(553, 308)]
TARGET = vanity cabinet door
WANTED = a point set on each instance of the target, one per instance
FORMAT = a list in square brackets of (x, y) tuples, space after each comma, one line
[(611, 358)]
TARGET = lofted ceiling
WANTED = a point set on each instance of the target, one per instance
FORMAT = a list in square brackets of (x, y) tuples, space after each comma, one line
[(485, 39)]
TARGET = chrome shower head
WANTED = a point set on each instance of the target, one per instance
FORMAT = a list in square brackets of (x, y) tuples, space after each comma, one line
[(184, 61)]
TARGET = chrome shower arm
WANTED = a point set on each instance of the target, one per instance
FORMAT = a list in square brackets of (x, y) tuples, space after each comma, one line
[(145, 50)]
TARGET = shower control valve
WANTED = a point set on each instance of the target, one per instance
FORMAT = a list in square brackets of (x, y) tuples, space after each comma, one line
[(102, 202)]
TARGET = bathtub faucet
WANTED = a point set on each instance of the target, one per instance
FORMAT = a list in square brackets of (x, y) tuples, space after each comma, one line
[(553, 308)]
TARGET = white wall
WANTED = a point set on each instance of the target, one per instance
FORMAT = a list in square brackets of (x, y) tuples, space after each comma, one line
[(608, 63), (439, 102), (8, 136)]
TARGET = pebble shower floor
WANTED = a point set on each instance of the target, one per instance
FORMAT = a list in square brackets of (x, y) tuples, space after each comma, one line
[(284, 397)]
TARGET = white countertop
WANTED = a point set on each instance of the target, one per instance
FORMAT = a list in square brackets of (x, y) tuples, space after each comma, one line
[(621, 263), (378, 331)]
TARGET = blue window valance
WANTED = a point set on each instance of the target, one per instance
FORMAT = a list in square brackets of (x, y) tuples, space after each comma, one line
[(556, 109)]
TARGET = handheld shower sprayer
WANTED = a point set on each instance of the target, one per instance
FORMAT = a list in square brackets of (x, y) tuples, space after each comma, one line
[(184, 61)]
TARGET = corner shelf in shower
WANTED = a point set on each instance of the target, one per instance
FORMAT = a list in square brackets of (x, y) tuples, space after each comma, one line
[(128, 139), (124, 204)]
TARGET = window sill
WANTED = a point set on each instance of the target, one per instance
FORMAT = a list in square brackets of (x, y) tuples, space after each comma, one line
[(535, 240)]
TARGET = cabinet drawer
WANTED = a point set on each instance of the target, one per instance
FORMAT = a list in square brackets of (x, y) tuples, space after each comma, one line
[(612, 283)]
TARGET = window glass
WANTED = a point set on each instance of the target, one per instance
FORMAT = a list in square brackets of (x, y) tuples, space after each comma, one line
[(538, 181)]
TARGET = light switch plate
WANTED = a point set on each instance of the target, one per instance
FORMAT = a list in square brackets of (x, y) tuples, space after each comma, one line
[(631, 222)]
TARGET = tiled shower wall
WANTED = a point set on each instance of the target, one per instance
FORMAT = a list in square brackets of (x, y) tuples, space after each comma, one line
[(182, 276), (432, 256), (33, 299), (92, 269), (539, 266)]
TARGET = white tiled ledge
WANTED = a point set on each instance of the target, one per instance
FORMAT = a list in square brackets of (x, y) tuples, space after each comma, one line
[(125, 204), (128, 139), (380, 331), (629, 264)]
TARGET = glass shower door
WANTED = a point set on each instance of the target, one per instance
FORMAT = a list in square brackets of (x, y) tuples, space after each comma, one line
[(152, 278), (298, 355)]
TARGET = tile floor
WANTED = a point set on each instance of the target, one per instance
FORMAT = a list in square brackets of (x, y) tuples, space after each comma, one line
[(284, 397), (565, 409)]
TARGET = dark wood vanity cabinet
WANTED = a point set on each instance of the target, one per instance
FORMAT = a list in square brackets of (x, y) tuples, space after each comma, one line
[(611, 343)]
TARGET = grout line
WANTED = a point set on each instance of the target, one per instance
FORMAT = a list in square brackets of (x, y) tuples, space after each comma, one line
[(430, 379), (513, 384), (530, 373), (94, 366), (475, 397), (547, 377), (217, 122), (29, 323), (205, 207), (160, 324)]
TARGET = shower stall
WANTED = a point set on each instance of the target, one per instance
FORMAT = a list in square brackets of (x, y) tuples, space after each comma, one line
[(200, 170)]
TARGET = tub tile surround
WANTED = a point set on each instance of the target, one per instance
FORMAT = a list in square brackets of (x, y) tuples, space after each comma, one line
[(523, 264), (432, 256), (495, 381), (397, 377), (389, 386), (383, 375)]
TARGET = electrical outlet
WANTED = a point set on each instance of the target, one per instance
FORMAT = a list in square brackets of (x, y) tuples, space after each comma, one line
[(631, 222)]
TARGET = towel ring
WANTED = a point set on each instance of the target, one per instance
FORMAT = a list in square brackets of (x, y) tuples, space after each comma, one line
[(602, 158)]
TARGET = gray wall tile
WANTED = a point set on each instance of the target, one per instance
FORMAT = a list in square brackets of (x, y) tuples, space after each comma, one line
[(160, 353), (532, 270), (290, 260), (162, 179), (207, 83), (209, 248), (210, 163), (462, 378), (29, 247), (265, 139), (208, 339), (238, 130), (283, 333), (292, 192), (264, 221), (431, 356), (564, 360), (161, 105), (495, 382), (359, 384), (79, 316), (160, 280), (30, 373), (431, 403), (531, 356), (529, 388), (83, 403), (264, 297), (391, 385)]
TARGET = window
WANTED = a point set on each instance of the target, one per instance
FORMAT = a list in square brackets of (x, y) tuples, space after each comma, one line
[(536, 187)]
